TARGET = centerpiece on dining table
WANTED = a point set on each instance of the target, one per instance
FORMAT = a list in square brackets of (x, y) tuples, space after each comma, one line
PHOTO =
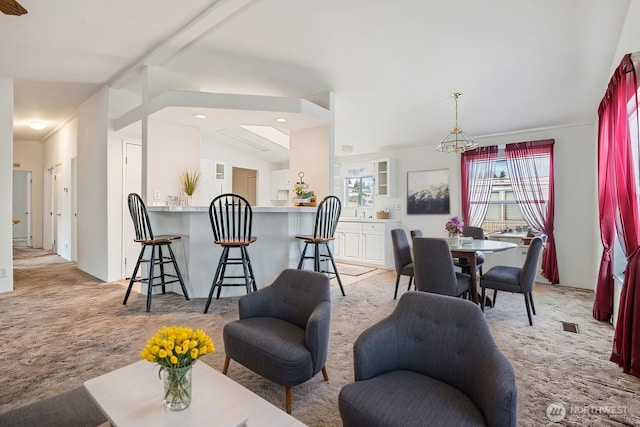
[(454, 227), (176, 349)]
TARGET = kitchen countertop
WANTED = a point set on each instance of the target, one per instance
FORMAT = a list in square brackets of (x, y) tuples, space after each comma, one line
[(254, 209), (354, 219)]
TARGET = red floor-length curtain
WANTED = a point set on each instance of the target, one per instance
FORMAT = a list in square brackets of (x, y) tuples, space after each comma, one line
[(535, 199), (477, 169), (623, 87)]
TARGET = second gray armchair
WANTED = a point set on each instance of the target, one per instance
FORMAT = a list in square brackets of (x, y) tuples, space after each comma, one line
[(432, 362), (283, 330)]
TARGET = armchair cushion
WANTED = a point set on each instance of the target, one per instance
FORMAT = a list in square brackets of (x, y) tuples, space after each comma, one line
[(502, 278), (375, 402), (271, 347)]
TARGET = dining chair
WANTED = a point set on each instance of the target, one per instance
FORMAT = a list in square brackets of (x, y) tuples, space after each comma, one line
[(326, 221), (415, 233), (231, 219), (478, 234), (145, 236), (402, 258), (515, 279), (434, 271)]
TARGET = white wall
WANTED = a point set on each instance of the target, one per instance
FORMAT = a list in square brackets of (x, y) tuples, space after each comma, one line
[(94, 237), (172, 148), (6, 179), (29, 155), (309, 153)]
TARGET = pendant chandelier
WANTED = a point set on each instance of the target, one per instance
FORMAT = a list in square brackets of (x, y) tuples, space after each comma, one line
[(457, 141)]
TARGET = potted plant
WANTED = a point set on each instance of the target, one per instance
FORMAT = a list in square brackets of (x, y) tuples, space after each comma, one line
[(189, 181)]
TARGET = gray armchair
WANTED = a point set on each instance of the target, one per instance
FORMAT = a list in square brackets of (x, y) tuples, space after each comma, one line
[(283, 330), (433, 361), (515, 279)]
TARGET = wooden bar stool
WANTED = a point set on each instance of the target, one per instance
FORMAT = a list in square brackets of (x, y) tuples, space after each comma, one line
[(327, 217), (145, 236), (231, 218)]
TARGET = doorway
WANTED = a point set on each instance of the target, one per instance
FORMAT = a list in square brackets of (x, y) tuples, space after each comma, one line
[(245, 183), (132, 183)]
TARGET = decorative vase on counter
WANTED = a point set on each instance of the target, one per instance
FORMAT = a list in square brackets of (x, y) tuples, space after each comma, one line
[(454, 240)]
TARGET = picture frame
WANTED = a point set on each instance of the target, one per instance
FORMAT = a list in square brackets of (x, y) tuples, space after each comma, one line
[(428, 192)]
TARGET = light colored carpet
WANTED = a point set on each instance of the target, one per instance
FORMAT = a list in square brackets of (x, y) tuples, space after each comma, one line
[(61, 327)]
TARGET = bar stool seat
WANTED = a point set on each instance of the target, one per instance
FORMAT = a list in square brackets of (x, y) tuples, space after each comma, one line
[(145, 236), (231, 220), (327, 217)]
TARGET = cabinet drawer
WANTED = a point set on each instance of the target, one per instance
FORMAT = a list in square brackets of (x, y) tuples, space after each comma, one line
[(369, 227), (349, 226)]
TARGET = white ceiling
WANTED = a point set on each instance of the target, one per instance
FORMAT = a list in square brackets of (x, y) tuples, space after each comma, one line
[(392, 66)]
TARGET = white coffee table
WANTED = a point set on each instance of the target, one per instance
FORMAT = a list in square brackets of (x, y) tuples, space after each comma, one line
[(132, 396)]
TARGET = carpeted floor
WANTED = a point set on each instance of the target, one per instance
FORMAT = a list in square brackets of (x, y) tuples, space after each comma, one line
[(61, 327)]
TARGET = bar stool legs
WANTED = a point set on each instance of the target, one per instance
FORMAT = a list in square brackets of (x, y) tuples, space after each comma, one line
[(318, 258), (220, 276), (161, 260)]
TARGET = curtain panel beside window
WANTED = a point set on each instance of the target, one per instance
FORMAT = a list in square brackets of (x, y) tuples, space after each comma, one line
[(534, 196), (618, 207), (477, 169)]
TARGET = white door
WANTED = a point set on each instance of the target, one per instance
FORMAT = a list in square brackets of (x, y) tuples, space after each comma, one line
[(132, 184), (21, 202), (74, 209), (47, 232), (57, 207)]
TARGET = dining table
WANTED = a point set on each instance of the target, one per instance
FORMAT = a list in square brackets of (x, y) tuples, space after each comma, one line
[(467, 249)]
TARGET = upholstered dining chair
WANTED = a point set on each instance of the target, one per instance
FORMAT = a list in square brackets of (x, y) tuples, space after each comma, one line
[(515, 279), (478, 234), (326, 221), (402, 258), (433, 268), (416, 233), (157, 258), (283, 330), (231, 219), (432, 362)]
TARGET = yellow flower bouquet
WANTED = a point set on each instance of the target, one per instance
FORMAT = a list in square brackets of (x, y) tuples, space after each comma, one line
[(175, 349)]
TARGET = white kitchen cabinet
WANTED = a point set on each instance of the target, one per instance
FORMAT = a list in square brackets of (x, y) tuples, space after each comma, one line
[(365, 241), (373, 240), (385, 181), (347, 241), (279, 185)]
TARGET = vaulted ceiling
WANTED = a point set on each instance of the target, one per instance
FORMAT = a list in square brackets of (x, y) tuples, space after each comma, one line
[(392, 66)]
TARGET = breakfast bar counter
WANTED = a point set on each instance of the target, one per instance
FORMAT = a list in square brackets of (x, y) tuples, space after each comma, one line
[(276, 247)]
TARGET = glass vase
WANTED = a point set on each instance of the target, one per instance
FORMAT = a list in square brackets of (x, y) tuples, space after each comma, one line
[(454, 240), (177, 387)]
